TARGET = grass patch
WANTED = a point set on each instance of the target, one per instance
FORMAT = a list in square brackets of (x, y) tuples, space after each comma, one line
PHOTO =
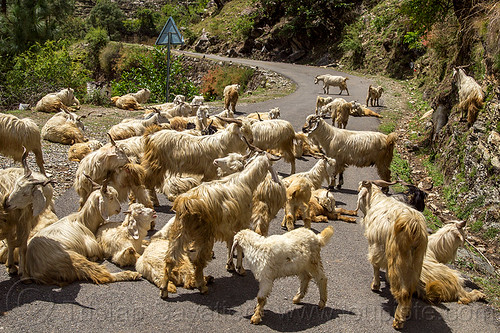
[(434, 172), (400, 168), (491, 233), (491, 287)]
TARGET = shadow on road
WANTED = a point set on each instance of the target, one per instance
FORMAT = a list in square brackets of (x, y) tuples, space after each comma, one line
[(224, 294), (19, 292), (299, 319)]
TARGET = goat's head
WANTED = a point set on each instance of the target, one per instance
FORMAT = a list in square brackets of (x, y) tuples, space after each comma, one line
[(30, 189), (139, 217), (274, 113), (316, 79), (108, 198), (232, 163), (311, 123), (326, 201), (117, 153)]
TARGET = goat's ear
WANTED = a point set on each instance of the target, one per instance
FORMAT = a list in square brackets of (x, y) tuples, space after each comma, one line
[(102, 209), (132, 228), (39, 201), (460, 224)]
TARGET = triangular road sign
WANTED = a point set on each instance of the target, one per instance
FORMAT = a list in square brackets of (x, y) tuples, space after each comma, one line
[(170, 29)]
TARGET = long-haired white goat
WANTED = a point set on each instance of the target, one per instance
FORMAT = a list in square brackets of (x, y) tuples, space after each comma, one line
[(470, 95), (79, 150), (64, 127), (133, 127), (17, 133), (122, 241), (58, 253), (358, 148), (276, 135), (299, 189), (111, 161), (24, 195), (438, 282), (151, 264), (58, 101), (268, 198), (213, 211), (296, 253), (397, 240), (177, 153)]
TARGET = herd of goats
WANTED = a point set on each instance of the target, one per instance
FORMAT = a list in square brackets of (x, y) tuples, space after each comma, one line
[(218, 172)]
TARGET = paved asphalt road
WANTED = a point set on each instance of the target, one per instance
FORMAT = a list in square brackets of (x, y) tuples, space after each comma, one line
[(228, 306)]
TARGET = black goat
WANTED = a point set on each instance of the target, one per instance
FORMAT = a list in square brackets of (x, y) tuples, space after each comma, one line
[(413, 196)]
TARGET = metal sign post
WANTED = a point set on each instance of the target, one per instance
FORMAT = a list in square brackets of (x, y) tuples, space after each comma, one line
[(169, 35)]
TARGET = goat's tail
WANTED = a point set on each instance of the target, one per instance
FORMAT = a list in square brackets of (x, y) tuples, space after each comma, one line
[(391, 140), (88, 270), (405, 253), (325, 235)]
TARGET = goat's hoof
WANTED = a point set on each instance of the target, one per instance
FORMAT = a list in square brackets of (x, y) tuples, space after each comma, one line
[(321, 304), (164, 293), (339, 186), (241, 271), (209, 279), (255, 319), (297, 299), (203, 290), (12, 270), (397, 324), (375, 287), (230, 267)]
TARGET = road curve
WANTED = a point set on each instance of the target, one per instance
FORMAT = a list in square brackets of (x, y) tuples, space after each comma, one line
[(228, 306)]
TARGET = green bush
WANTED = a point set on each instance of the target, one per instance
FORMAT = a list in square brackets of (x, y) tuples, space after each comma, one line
[(43, 69), (213, 83), (151, 73)]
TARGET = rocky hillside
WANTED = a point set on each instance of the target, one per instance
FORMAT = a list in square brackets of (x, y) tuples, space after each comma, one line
[(83, 7)]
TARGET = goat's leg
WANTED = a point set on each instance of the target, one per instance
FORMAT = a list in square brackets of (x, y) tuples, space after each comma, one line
[(289, 217), (239, 262), (304, 277), (11, 246), (39, 159), (306, 216), (376, 278), (229, 262), (203, 255), (321, 280), (403, 297), (341, 180), (265, 288), (153, 197)]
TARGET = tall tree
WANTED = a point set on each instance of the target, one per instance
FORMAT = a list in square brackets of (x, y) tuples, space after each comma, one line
[(29, 21)]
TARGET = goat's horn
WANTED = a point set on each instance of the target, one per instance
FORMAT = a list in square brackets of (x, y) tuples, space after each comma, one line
[(111, 139), (104, 187), (251, 146), (93, 182), (66, 111), (258, 116), (383, 183), (27, 171), (272, 157), (239, 122)]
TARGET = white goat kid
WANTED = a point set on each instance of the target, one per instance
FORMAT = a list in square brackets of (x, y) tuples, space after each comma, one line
[(296, 253), (122, 241)]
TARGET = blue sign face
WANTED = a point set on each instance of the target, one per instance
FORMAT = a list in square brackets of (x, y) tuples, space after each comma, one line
[(170, 32)]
